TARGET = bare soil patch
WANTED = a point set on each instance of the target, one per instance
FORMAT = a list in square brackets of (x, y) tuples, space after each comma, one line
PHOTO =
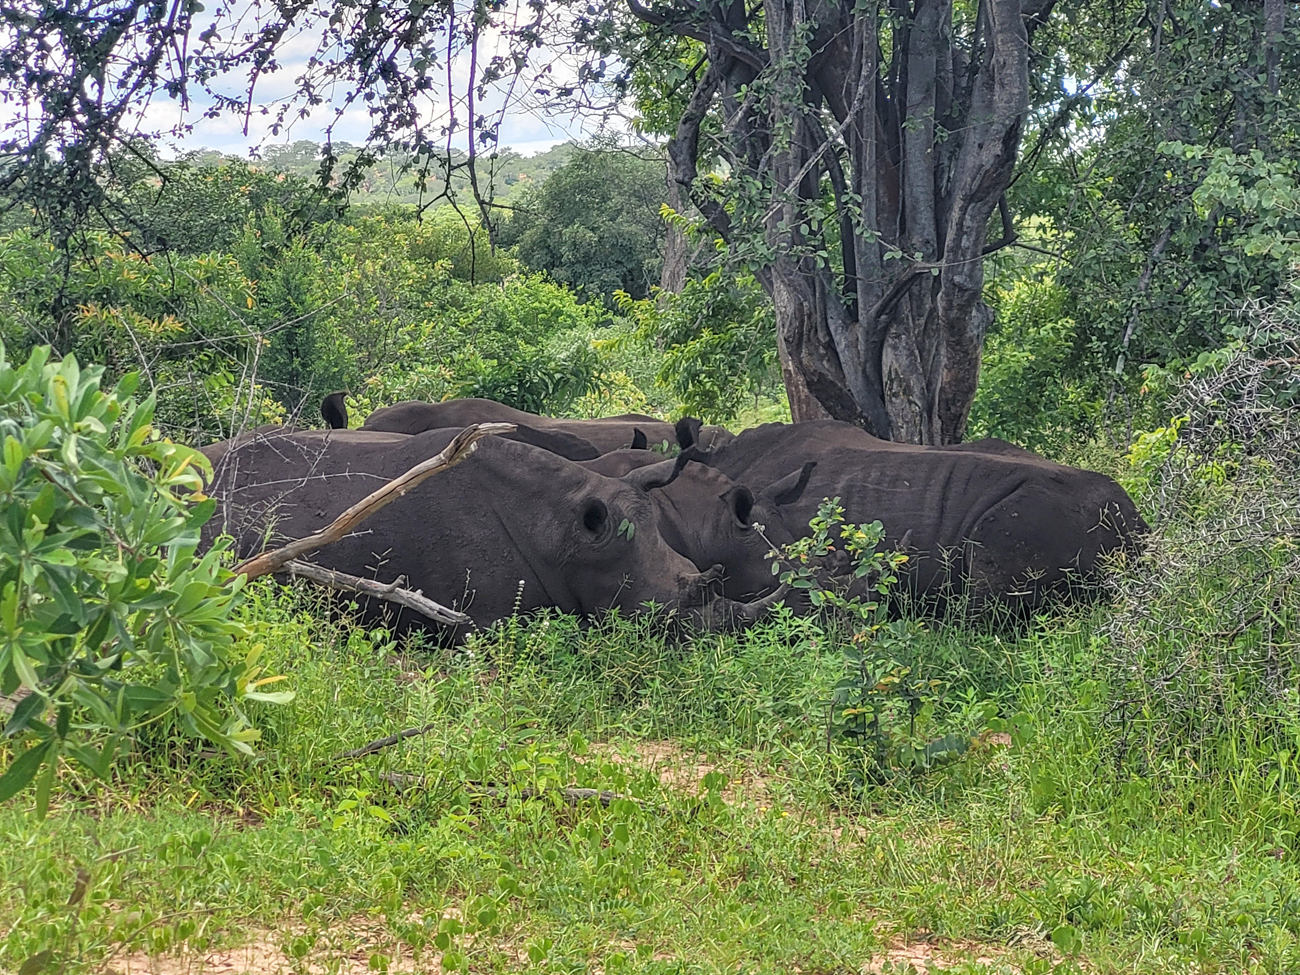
[(927, 958), (344, 948), (684, 770)]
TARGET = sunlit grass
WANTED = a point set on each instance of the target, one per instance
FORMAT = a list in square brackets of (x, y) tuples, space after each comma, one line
[(732, 844)]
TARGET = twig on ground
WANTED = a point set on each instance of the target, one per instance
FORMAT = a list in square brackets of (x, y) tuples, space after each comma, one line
[(390, 591), (379, 744)]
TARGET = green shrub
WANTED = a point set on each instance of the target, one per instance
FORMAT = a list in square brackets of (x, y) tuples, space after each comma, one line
[(594, 224), (1025, 394), (107, 621), (890, 720), (185, 323), (1204, 649), (716, 340)]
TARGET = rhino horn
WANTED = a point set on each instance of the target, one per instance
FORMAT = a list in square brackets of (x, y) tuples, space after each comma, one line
[(724, 615)]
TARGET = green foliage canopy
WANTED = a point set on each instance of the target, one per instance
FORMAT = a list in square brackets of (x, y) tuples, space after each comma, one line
[(594, 224)]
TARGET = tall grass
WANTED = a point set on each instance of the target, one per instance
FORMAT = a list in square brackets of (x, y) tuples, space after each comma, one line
[(749, 856)]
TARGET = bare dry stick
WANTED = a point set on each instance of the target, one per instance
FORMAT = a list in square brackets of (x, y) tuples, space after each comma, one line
[(391, 591), (379, 744), (460, 447)]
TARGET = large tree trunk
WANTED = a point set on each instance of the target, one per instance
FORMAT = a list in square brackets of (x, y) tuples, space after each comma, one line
[(676, 256), (877, 295)]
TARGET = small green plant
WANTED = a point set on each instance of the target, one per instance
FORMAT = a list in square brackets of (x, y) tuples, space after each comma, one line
[(107, 621), (889, 718), (814, 564)]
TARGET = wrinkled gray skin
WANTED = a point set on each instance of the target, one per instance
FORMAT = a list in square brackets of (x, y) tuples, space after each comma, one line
[(606, 433), (511, 522), (707, 517), (1008, 528), (564, 444), (556, 439)]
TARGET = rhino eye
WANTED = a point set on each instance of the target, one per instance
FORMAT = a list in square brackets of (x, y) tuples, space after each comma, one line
[(594, 516)]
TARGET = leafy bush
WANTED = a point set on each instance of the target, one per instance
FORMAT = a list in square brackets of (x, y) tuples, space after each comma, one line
[(107, 621), (890, 720), (717, 343), (259, 334), (185, 323), (191, 210), (594, 224), (1025, 392), (536, 380)]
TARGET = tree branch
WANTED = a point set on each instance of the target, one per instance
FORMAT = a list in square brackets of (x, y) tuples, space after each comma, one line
[(896, 292), (1143, 285), (1008, 228), (684, 147), (713, 34), (391, 591)]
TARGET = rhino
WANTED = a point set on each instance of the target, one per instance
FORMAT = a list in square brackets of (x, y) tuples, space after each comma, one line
[(512, 528), (606, 433), (991, 523), (709, 518)]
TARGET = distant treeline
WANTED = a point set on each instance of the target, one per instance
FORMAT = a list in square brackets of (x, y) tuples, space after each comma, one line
[(395, 177)]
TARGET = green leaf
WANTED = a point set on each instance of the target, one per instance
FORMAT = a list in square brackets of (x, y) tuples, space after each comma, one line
[(270, 697), (27, 709), (23, 770), (1067, 939), (46, 781)]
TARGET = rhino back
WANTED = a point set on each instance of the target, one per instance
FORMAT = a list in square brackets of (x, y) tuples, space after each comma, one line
[(606, 434), (988, 515)]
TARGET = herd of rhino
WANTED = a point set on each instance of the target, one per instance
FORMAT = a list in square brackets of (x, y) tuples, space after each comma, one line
[(584, 515)]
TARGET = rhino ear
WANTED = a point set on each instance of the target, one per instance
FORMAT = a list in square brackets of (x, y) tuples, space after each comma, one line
[(639, 441), (595, 516), (740, 500), (334, 411), (791, 487), (658, 475), (688, 431)]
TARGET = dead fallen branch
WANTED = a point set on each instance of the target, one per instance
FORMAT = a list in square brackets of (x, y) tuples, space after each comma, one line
[(461, 446), (391, 591), (379, 744), (571, 794)]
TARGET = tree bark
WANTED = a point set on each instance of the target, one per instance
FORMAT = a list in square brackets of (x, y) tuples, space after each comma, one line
[(880, 319), (673, 277)]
